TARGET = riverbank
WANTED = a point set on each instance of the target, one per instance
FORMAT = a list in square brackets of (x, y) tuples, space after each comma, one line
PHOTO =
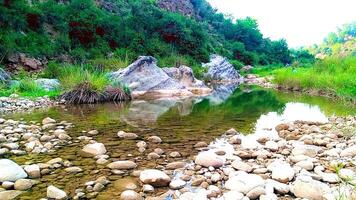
[(280, 163), (331, 77)]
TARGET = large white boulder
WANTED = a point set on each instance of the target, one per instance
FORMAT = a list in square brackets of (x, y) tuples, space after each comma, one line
[(208, 159), (243, 182), (10, 171)]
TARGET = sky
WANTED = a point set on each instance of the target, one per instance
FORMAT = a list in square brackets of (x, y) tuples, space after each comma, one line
[(300, 22)]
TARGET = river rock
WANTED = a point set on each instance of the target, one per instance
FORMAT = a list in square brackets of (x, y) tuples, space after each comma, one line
[(349, 152), (73, 169), (256, 192), (155, 178), (10, 171), (240, 165), (10, 194), (306, 187), (185, 76), (23, 184), (95, 149), (145, 75), (130, 195), (129, 136), (48, 120), (177, 184), (219, 69), (4, 76), (208, 159), (154, 139), (122, 165), (55, 193), (243, 182), (200, 145), (176, 165), (33, 171), (148, 188), (307, 150), (281, 171), (305, 164)]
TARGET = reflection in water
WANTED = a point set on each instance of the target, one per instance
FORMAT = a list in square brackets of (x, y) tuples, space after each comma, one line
[(221, 92)]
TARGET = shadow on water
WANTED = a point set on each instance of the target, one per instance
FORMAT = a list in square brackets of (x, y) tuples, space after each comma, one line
[(180, 123)]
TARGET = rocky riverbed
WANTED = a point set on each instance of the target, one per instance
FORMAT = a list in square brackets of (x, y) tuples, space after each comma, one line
[(16, 103), (302, 159)]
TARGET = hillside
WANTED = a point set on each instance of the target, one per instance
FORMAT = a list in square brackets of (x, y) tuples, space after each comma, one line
[(82, 30)]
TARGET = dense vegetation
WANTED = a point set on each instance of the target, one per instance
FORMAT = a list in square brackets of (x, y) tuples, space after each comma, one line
[(85, 29)]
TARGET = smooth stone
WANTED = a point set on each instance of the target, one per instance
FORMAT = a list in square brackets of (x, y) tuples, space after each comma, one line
[(23, 184), (122, 165), (93, 132), (148, 188), (130, 195), (233, 195), (255, 193), (281, 171), (73, 169), (306, 187), (124, 135), (177, 184), (10, 171), (208, 159), (243, 182), (240, 165), (305, 164), (271, 145), (200, 145), (48, 120), (154, 139), (95, 149), (7, 185), (349, 152), (155, 178), (176, 165), (33, 171), (55, 193)]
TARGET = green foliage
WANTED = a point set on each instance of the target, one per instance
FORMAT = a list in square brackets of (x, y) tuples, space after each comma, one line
[(332, 75)]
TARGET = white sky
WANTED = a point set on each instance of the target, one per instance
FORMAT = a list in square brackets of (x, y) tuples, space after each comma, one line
[(300, 22)]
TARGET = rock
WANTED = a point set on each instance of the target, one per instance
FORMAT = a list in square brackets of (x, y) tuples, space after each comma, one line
[(271, 145), (55, 161), (48, 120), (141, 144), (73, 169), (98, 187), (94, 149), (330, 177), (246, 68), (55, 193), (305, 164), (176, 165), (233, 195), (93, 132), (307, 150), (272, 185), (256, 192), (240, 165), (48, 84), (23, 184), (208, 159), (243, 182), (145, 75), (33, 171), (185, 76), (148, 188), (154, 139), (306, 187), (4, 76), (122, 165), (155, 178), (177, 184), (130, 195), (281, 171), (10, 171), (7, 185), (219, 69), (175, 154), (152, 156), (200, 145), (281, 127), (129, 136), (349, 152), (10, 195)]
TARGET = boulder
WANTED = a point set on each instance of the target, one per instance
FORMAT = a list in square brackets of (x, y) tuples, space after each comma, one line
[(23, 184), (10, 171), (145, 76), (55, 193), (208, 159), (33, 171), (306, 187), (122, 165), (155, 178), (48, 84), (4, 76), (94, 149), (220, 70)]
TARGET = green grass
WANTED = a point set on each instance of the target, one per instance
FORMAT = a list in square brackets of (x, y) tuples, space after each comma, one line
[(335, 76), (27, 88)]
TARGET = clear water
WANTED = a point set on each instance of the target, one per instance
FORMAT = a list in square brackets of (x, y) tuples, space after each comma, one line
[(180, 123)]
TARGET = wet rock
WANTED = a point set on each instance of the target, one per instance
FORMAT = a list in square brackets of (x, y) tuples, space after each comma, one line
[(55, 161), (55, 193), (130, 195), (200, 145), (176, 165), (256, 192), (23, 184), (152, 156), (148, 188), (154, 177), (73, 169), (33, 171), (154, 139), (175, 154), (129, 136), (177, 184), (9, 195), (94, 149), (306, 187), (208, 159), (7, 185), (10, 171), (122, 165)]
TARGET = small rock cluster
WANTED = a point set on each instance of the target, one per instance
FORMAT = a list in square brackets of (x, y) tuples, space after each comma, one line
[(253, 79), (19, 138), (15, 103)]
